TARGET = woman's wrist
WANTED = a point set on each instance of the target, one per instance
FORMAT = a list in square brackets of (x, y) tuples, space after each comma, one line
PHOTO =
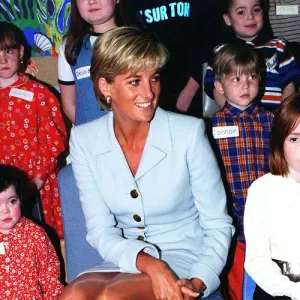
[(148, 264)]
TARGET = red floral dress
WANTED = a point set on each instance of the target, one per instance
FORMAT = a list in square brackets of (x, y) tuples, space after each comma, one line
[(29, 267), (32, 136)]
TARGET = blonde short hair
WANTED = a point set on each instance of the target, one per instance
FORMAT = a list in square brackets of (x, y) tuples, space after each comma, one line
[(235, 59), (121, 50)]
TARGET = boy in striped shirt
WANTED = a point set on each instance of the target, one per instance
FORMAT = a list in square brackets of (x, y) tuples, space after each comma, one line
[(278, 69)]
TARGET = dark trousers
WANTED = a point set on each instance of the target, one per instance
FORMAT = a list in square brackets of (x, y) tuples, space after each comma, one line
[(260, 294)]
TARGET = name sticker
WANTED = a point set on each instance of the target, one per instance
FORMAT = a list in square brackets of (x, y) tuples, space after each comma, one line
[(26, 95), (272, 62), (2, 249), (222, 132), (287, 10), (83, 72)]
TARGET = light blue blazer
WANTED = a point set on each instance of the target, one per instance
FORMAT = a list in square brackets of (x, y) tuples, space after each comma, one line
[(174, 208)]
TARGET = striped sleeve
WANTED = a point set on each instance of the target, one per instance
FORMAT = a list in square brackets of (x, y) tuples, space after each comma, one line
[(209, 81), (287, 66)]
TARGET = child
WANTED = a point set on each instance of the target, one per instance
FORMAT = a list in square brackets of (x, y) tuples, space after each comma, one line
[(278, 71), (29, 267), (89, 19), (32, 131), (272, 212), (182, 26), (241, 131)]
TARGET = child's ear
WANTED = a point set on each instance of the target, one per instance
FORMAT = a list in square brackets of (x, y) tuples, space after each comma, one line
[(21, 51), (226, 19), (219, 87)]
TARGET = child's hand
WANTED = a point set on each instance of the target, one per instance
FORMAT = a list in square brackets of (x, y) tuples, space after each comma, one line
[(186, 95), (191, 288)]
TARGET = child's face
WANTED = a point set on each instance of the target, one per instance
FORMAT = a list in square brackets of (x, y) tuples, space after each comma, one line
[(246, 18), (239, 89), (9, 64), (291, 149), (10, 209), (96, 12)]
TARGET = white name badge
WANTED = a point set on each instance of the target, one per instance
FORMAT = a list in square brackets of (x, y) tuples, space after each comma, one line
[(26, 95), (83, 72), (222, 132), (2, 249), (272, 62), (287, 10)]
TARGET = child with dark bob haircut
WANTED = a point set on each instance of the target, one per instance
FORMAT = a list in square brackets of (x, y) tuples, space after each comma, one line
[(29, 266), (32, 129), (272, 212)]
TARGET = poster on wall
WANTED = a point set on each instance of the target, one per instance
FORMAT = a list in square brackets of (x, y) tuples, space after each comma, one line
[(44, 22)]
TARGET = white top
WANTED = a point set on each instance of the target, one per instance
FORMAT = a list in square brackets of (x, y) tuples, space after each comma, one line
[(272, 222), (64, 69)]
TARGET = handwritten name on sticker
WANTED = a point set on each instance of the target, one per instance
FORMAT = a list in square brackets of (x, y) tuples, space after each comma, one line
[(272, 62), (22, 94), (83, 72), (287, 10), (222, 132)]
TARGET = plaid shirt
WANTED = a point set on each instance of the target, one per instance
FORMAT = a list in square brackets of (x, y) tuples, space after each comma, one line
[(245, 158)]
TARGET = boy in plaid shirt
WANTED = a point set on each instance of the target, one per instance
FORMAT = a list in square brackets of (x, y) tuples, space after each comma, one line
[(241, 131)]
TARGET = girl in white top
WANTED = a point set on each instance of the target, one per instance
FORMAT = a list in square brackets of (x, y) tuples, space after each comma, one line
[(272, 213), (89, 19)]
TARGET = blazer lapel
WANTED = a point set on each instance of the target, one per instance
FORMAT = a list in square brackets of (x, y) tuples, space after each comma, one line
[(109, 154), (158, 143)]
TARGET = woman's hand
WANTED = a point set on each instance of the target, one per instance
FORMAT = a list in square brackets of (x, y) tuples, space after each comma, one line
[(163, 280), (191, 289)]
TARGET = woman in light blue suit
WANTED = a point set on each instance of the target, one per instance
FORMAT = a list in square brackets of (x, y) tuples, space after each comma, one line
[(150, 187)]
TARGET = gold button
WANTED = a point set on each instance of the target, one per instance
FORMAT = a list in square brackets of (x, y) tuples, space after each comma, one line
[(134, 194), (140, 238), (141, 228), (137, 218)]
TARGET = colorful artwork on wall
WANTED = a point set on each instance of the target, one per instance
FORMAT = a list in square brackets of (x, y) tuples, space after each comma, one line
[(44, 22)]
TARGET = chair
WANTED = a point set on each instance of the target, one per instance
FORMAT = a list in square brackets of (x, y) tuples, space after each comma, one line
[(209, 105), (37, 211), (248, 286), (32, 207), (80, 255)]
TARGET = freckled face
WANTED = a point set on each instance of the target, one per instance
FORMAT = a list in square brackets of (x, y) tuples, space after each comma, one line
[(10, 209), (291, 149), (239, 89), (246, 18), (135, 96)]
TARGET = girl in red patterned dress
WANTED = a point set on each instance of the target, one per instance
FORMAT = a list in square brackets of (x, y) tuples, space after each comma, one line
[(32, 131), (29, 267)]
